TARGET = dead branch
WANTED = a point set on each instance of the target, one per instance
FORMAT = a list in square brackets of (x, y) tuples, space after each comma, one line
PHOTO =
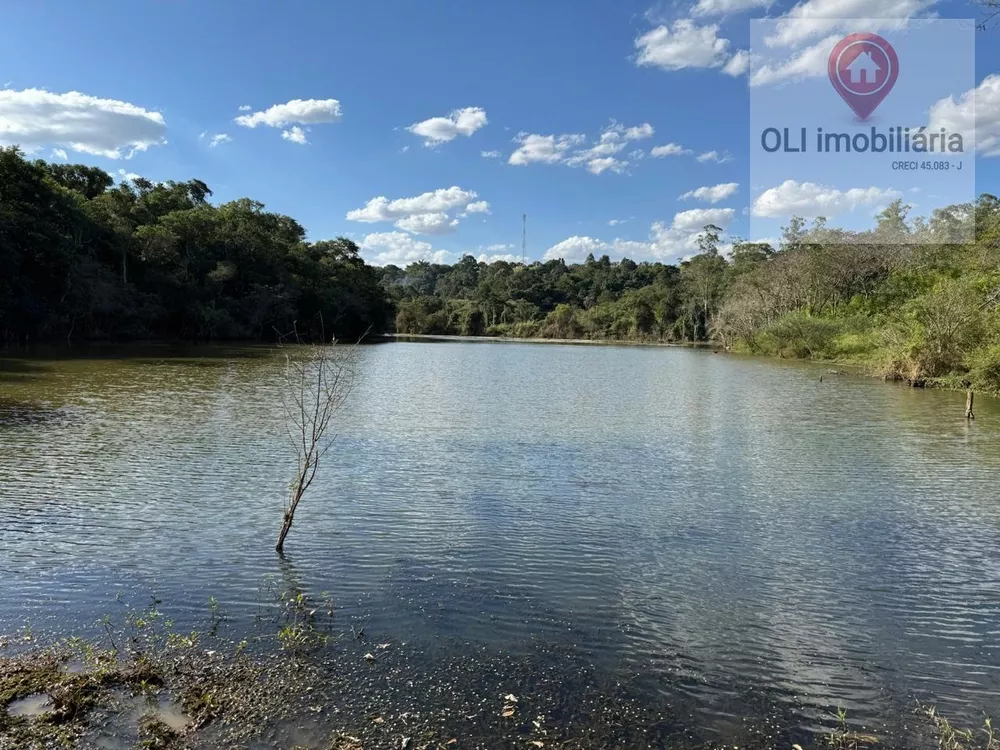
[(318, 380)]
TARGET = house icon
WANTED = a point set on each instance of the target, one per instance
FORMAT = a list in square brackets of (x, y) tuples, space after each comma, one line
[(864, 69)]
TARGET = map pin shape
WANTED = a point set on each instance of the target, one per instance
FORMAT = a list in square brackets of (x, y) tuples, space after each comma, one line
[(863, 69)]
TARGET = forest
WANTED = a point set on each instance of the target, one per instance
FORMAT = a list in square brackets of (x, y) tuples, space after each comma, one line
[(907, 300), (82, 259)]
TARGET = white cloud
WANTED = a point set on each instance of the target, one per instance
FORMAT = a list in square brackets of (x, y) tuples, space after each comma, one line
[(638, 132), (245, 108), (507, 257), (737, 64), (665, 242), (693, 220), (479, 207), (714, 156), (295, 135), (806, 63), (598, 158), (603, 164), (432, 223), (686, 45), (58, 153), (975, 114), (547, 149), (438, 130), (725, 7), (616, 222), (490, 154), (297, 111), (219, 138), (671, 149), (809, 200), (34, 118), (127, 176), (574, 249), (815, 18), (712, 194), (435, 212), (397, 248)]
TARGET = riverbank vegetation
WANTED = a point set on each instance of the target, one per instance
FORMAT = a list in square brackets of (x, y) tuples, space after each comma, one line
[(82, 258), (905, 300)]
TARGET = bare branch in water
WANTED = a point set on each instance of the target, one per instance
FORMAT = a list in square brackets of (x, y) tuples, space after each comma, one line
[(318, 380)]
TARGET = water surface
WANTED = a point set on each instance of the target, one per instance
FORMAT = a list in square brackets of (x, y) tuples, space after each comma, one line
[(719, 535)]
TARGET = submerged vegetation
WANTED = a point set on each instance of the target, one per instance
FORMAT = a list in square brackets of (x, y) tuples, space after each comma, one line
[(297, 683)]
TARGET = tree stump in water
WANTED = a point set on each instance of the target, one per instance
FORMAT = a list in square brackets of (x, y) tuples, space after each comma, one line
[(969, 397)]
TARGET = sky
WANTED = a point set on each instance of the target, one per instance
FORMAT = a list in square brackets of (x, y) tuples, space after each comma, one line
[(424, 131)]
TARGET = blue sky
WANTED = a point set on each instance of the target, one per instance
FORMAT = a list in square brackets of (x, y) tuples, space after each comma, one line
[(538, 85)]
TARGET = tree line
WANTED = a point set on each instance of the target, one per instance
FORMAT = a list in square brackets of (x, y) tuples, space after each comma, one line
[(911, 299), (83, 258)]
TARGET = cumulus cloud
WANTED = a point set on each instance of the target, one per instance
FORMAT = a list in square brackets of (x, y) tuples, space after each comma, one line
[(58, 153), (478, 207), (725, 7), (684, 45), (714, 156), (712, 194), (506, 257), (435, 212), (438, 130), (433, 223), (34, 118), (809, 200), (295, 112), (245, 108), (805, 63), (976, 114), (547, 149), (127, 176), (803, 37), (737, 64), (490, 154), (814, 18), (218, 139), (666, 241), (695, 219), (400, 249), (295, 135), (601, 156), (670, 149)]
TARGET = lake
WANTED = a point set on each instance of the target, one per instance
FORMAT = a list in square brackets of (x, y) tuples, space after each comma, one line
[(705, 537)]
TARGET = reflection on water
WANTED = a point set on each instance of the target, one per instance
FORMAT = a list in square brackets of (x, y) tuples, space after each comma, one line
[(714, 533)]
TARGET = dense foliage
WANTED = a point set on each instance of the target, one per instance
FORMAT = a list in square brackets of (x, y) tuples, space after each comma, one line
[(81, 258), (905, 299)]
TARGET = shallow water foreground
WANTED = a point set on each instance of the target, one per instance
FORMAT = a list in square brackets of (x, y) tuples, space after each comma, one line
[(687, 543)]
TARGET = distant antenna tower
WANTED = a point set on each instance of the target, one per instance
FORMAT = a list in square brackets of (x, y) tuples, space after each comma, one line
[(524, 236)]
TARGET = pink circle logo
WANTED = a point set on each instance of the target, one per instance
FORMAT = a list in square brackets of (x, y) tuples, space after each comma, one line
[(863, 69)]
